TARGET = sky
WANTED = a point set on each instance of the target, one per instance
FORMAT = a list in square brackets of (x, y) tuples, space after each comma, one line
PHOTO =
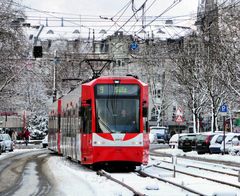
[(83, 10), (109, 7)]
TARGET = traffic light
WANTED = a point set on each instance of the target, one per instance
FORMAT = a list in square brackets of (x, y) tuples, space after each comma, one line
[(37, 51)]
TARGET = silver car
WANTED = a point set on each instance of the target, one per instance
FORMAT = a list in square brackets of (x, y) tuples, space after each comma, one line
[(7, 142)]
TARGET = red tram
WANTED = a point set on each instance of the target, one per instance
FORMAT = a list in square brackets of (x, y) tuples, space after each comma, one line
[(103, 121)]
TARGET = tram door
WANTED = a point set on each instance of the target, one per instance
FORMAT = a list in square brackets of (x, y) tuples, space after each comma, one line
[(86, 138)]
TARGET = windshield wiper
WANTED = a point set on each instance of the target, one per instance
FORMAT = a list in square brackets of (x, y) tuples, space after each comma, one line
[(106, 126)]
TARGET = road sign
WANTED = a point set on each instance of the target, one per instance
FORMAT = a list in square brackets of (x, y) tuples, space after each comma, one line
[(134, 46), (223, 108), (179, 119), (179, 112)]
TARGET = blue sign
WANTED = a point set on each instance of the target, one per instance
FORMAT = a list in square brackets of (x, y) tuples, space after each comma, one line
[(223, 108), (134, 46)]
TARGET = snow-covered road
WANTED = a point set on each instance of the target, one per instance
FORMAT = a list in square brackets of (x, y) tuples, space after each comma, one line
[(56, 175)]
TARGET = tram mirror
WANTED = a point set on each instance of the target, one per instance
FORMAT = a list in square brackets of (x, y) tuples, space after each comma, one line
[(88, 101), (145, 112), (147, 126)]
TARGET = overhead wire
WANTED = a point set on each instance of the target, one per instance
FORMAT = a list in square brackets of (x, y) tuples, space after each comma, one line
[(115, 22), (132, 15), (123, 9), (74, 23), (127, 21), (77, 24), (166, 10), (46, 12)]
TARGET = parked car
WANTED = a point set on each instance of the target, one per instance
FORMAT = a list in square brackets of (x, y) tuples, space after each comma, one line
[(234, 150), (173, 142), (159, 134), (152, 137), (7, 141), (228, 142), (203, 142), (45, 142), (37, 134), (2, 146), (186, 142), (215, 144)]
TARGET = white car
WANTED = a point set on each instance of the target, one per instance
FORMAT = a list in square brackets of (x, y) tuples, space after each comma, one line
[(228, 141), (151, 138), (173, 142), (7, 142), (234, 150), (215, 143), (158, 134), (45, 142)]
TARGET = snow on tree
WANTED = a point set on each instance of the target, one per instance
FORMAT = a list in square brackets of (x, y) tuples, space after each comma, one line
[(12, 49)]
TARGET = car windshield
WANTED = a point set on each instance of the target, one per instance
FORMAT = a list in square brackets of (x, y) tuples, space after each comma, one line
[(157, 130), (6, 137), (117, 113), (219, 139), (201, 137), (189, 137)]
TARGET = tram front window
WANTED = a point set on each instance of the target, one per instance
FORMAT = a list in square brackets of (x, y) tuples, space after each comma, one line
[(117, 115)]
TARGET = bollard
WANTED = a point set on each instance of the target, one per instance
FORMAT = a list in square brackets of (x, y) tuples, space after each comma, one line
[(239, 176), (174, 160), (174, 171)]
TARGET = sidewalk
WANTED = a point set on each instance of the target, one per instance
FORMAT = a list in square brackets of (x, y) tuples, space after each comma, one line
[(29, 142)]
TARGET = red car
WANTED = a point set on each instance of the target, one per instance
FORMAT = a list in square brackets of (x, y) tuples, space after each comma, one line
[(203, 142)]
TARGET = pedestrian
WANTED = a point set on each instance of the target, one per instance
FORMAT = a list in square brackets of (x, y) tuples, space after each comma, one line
[(14, 136), (26, 136), (10, 132)]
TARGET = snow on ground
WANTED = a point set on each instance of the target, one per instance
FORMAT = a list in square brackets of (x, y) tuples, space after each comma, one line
[(67, 174), (16, 151), (209, 188), (225, 157), (73, 179)]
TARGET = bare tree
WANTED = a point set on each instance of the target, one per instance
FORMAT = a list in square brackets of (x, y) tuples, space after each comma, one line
[(12, 47)]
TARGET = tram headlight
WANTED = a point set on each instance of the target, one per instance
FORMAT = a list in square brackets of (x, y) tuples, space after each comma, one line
[(116, 81), (136, 143), (98, 143)]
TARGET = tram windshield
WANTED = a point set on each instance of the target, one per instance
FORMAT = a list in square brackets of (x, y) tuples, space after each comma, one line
[(117, 112)]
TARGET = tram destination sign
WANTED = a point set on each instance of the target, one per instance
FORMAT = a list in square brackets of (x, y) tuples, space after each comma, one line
[(119, 89)]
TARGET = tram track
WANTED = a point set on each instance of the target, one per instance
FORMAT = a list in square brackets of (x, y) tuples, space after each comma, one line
[(225, 163), (200, 176), (202, 168), (135, 192), (144, 174)]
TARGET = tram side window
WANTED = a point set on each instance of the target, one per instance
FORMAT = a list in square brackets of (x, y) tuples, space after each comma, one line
[(87, 119), (65, 124), (54, 124), (68, 123)]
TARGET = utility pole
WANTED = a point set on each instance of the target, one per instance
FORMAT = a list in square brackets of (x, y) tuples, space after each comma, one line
[(56, 61)]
